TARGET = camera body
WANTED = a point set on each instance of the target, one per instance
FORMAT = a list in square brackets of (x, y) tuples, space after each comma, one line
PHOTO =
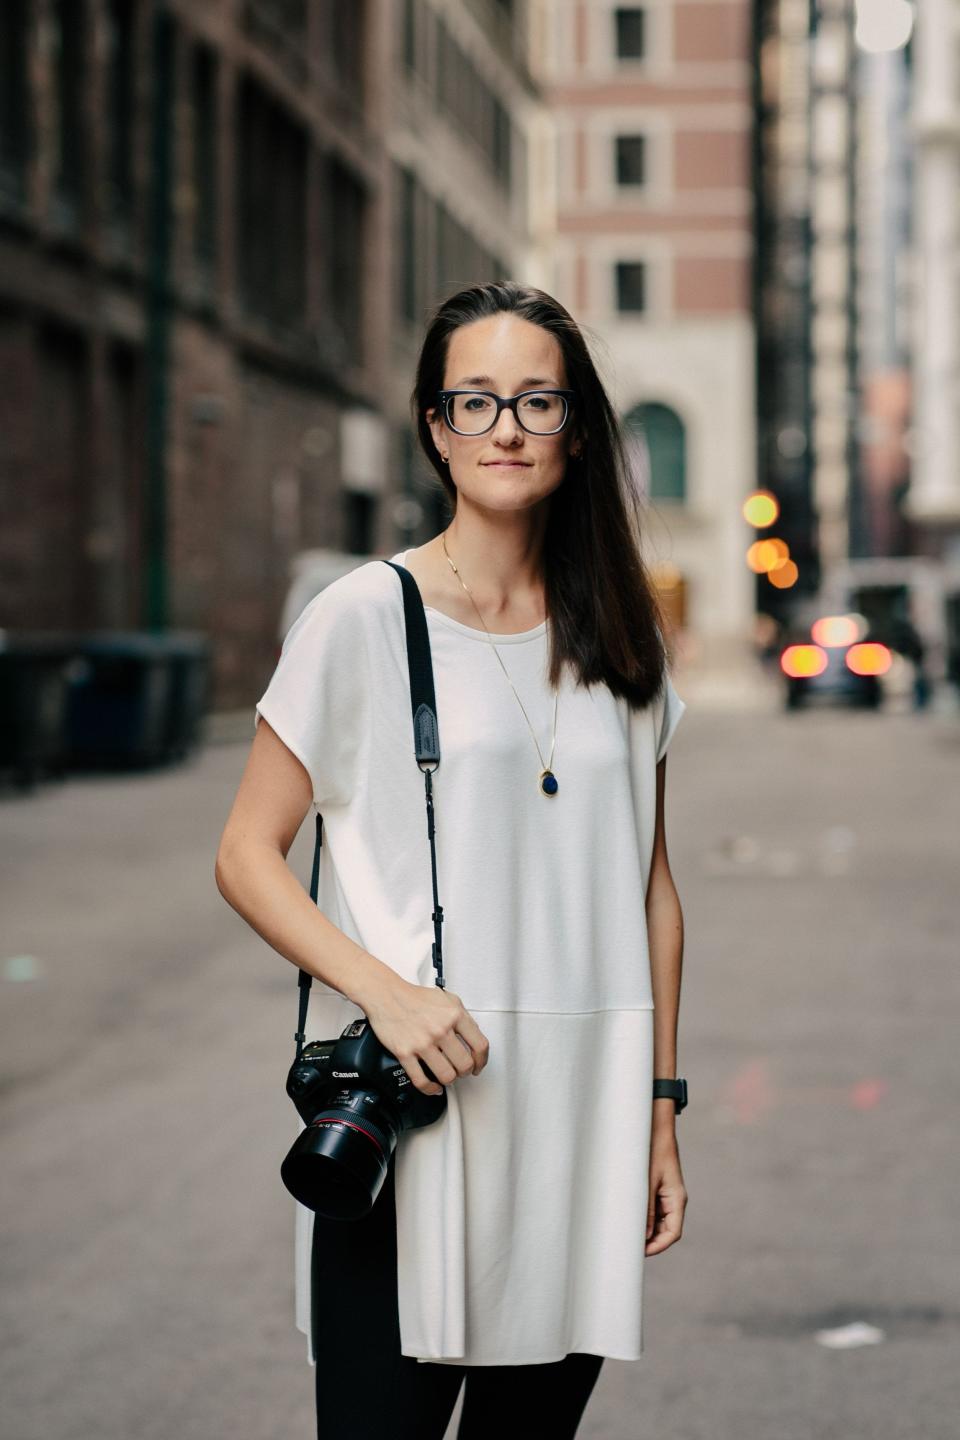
[(356, 1100)]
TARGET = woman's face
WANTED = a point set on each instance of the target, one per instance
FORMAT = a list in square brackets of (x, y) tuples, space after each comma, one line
[(505, 354)]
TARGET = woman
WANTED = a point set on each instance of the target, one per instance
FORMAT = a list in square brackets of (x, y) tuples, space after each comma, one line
[(506, 1246)]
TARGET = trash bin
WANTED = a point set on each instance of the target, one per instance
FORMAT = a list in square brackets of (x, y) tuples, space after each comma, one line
[(190, 654), (34, 698), (119, 705)]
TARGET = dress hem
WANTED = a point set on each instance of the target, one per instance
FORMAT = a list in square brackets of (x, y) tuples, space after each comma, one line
[(544, 1360)]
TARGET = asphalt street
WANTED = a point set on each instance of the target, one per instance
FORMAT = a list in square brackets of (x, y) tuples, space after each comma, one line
[(147, 1277)]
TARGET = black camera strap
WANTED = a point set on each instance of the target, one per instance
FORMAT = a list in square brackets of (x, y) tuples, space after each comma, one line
[(426, 741)]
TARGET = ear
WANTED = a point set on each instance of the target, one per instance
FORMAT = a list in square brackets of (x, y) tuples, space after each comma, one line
[(436, 427)]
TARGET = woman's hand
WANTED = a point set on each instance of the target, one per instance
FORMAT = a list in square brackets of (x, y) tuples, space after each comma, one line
[(426, 1025), (668, 1195)]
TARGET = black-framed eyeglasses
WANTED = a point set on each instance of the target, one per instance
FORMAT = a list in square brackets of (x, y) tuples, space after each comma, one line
[(474, 412)]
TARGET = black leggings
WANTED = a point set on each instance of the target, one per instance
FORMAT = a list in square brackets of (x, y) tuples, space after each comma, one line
[(368, 1390)]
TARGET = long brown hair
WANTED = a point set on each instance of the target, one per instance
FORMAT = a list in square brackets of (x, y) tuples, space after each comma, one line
[(606, 619)]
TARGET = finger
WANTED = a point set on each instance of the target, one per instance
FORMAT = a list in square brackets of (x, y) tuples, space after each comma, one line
[(420, 1079), (442, 1068), (666, 1236), (659, 1244), (475, 1040), (458, 1052)]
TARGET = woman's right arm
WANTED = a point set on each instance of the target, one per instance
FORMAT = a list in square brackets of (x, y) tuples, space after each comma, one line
[(416, 1023)]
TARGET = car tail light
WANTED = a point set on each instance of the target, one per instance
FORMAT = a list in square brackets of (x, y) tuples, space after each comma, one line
[(800, 660), (869, 658)]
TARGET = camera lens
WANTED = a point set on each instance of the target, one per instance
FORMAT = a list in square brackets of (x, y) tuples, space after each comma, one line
[(338, 1163)]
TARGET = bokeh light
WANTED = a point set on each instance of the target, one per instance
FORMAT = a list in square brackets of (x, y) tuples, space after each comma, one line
[(801, 660), (765, 555), (760, 509), (869, 658), (834, 630), (783, 575)]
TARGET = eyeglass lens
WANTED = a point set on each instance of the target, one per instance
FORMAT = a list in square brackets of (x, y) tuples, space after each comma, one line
[(471, 412)]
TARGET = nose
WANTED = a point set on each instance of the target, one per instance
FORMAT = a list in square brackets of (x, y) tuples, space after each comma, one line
[(507, 427)]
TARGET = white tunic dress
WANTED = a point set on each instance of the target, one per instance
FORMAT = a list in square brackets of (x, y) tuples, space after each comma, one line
[(521, 1213)]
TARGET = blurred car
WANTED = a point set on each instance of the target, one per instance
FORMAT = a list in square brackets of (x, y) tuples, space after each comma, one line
[(833, 662)]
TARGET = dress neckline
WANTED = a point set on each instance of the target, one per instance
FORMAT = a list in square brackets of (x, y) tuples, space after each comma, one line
[(471, 631)]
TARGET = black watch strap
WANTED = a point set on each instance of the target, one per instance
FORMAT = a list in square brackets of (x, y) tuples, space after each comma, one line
[(675, 1090)]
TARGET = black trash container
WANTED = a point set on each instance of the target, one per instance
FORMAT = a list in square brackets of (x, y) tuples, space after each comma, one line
[(120, 695), (34, 700), (190, 654)]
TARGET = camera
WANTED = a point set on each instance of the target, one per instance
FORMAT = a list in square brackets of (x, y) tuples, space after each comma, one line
[(355, 1099)]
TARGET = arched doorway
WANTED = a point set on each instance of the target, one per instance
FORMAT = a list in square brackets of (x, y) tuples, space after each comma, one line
[(659, 450)]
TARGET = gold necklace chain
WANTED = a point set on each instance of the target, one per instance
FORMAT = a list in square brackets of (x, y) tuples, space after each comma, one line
[(548, 781)]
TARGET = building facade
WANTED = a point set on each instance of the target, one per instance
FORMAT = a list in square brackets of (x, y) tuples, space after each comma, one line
[(652, 105), (222, 226)]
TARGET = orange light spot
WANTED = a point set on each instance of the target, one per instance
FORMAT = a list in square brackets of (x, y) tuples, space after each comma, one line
[(869, 658), (800, 660), (764, 555), (784, 575)]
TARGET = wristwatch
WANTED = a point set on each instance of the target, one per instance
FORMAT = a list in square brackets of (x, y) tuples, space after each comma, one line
[(675, 1090)]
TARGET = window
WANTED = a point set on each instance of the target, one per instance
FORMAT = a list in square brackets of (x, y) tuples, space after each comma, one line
[(359, 522), (204, 156), (342, 40), (501, 143), (406, 249), (271, 201), (119, 84), (631, 285), (629, 28), (478, 110), (280, 28), (631, 159), (14, 103), (67, 34), (409, 34), (346, 203), (661, 436)]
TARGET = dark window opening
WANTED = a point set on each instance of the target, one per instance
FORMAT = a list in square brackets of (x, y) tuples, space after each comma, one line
[(119, 21), (631, 285), (68, 28), (631, 159), (630, 38), (271, 198), (14, 99), (204, 156)]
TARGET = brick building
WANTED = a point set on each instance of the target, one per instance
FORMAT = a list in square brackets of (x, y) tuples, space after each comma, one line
[(654, 116), (222, 224)]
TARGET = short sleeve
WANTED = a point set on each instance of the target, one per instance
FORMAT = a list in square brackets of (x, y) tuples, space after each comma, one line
[(671, 709), (317, 700)]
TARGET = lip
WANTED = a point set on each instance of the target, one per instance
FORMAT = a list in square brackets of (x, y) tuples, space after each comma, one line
[(508, 464)]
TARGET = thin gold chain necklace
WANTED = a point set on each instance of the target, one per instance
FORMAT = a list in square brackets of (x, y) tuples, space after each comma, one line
[(549, 784)]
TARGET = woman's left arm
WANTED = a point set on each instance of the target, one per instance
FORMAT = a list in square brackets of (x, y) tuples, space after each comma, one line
[(668, 1195)]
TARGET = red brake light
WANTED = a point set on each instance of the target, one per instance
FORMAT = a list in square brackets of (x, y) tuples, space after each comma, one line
[(869, 658), (800, 660)]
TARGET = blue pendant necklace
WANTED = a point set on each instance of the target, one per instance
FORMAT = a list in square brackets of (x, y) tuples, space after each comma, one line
[(549, 784)]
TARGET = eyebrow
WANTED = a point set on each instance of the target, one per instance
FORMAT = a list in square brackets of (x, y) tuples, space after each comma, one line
[(485, 380)]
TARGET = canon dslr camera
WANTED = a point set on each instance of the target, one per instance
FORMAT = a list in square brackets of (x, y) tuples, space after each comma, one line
[(356, 1100)]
